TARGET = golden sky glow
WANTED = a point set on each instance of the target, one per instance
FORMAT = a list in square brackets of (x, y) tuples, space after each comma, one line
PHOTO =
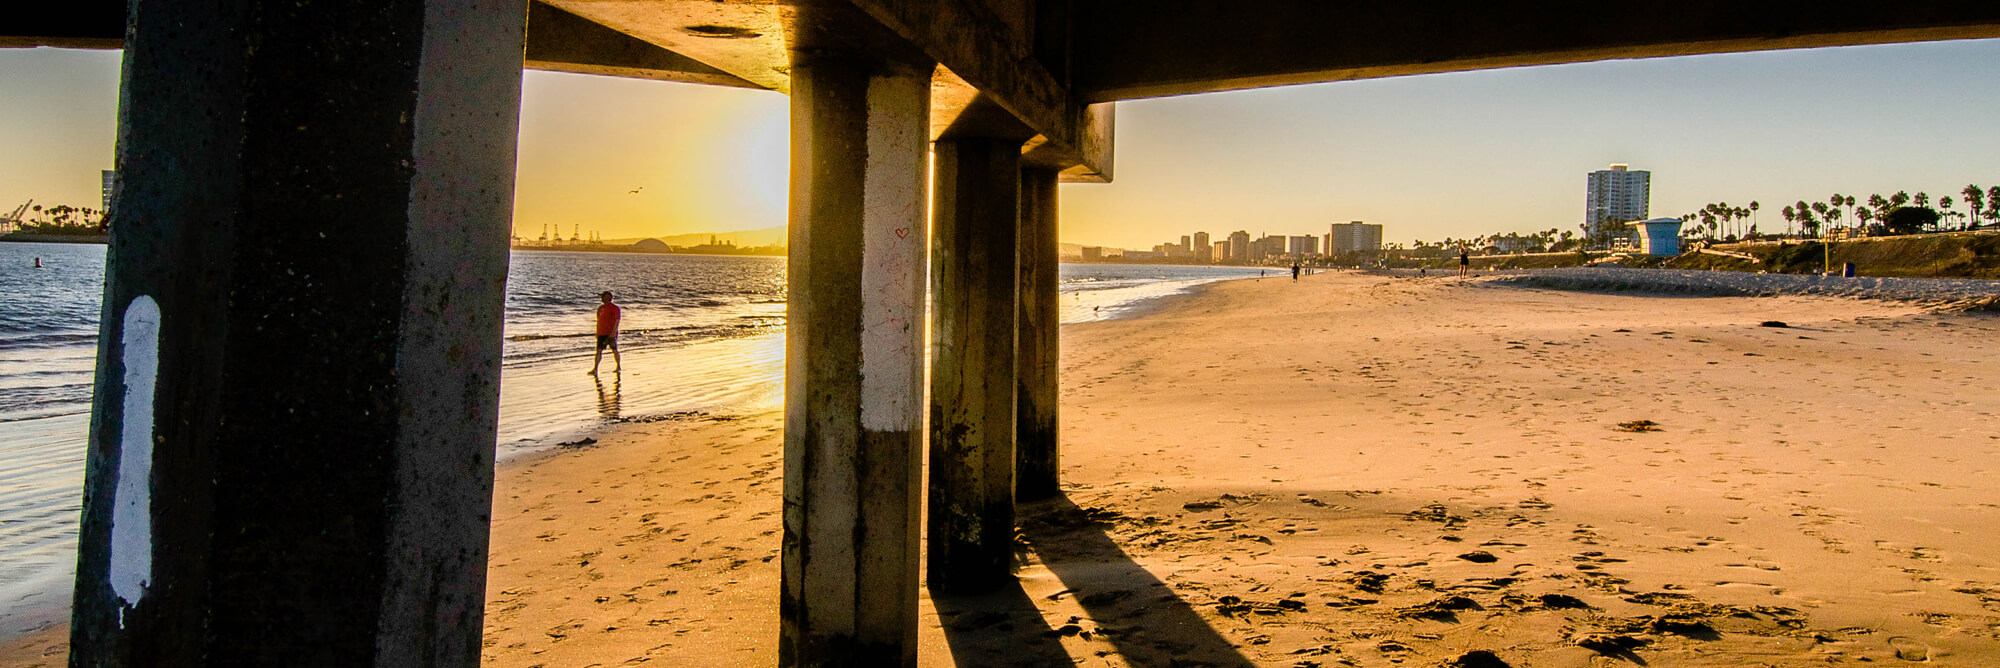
[(704, 159), (1427, 156)]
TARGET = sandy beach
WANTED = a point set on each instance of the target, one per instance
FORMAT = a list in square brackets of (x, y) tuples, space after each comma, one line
[(1366, 471)]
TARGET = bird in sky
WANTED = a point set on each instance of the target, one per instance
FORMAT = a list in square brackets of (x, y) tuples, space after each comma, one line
[(635, 191)]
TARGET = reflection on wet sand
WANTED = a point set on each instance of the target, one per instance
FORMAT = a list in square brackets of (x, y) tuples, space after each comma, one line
[(607, 398)]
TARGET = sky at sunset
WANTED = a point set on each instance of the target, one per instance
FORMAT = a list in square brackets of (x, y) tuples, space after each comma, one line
[(1429, 157)]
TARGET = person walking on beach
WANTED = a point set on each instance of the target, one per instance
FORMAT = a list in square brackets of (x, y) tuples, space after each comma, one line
[(1464, 262), (1295, 272), (607, 333)]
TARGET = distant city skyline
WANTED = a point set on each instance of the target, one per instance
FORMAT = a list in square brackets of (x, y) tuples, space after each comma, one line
[(1434, 156)]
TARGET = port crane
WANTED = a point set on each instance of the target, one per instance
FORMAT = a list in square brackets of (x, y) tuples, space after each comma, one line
[(12, 221)]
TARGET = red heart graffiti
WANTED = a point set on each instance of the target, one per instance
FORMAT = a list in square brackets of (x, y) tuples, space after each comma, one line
[(902, 233)]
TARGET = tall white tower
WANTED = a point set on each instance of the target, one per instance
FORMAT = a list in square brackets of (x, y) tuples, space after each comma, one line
[(1614, 197)]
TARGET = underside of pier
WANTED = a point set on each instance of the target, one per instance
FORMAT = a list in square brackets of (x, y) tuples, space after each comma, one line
[(246, 509)]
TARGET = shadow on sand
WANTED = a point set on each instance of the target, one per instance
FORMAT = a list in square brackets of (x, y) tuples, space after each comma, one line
[(1000, 628), (1126, 605)]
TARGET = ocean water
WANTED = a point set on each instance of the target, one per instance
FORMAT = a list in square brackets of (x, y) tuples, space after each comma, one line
[(699, 333), (1111, 291)]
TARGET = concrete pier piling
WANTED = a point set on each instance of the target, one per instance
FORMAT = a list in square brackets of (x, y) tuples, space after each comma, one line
[(1037, 468), (291, 446), (854, 361), (974, 273)]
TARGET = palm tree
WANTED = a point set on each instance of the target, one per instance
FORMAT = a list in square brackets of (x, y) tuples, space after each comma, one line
[(1753, 214), (1945, 204), (1863, 214), (1974, 201), (1789, 218), (1993, 203)]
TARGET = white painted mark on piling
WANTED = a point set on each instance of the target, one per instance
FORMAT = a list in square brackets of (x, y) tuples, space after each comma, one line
[(131, 504), (892, 243)]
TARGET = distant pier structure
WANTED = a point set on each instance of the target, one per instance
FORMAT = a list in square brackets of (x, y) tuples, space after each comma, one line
[(292, 438)]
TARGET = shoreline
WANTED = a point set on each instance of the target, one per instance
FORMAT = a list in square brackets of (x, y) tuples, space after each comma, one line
[(54, 239)]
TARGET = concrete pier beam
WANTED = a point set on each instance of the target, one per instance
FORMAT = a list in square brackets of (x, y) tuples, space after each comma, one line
[(854, 361), (291, 445), (974, 271), (1037, 466)]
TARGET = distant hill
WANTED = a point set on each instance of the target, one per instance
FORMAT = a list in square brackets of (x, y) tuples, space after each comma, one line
[(764, 237)]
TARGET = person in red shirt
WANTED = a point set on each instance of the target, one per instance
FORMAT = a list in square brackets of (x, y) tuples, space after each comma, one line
[(607, 333)]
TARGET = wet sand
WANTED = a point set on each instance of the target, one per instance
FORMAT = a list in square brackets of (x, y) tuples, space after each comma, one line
[(1356, 470)]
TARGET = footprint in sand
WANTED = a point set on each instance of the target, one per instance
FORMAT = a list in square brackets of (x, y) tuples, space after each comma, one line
[(1909, 650)]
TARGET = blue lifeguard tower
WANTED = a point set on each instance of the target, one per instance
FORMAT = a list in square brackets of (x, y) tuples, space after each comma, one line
[(1659, 236)]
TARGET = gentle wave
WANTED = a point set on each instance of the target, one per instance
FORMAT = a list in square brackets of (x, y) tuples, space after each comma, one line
[(48, 340)]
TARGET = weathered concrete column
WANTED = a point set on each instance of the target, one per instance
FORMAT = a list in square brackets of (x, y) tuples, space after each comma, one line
[(854, 361), (1037, 466), (291, 446), (971, 524)]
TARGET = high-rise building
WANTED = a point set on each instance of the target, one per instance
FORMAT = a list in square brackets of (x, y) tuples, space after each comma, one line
[(1239, 246), (1354, 236), (1613, 197), (1302, 246), (1267, 246), (1203, 251), (1220, 253)]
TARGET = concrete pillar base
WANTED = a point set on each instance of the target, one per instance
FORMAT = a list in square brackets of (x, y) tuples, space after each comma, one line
[(1037, 468), (299, 360), (854, 362), (971, 524)]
